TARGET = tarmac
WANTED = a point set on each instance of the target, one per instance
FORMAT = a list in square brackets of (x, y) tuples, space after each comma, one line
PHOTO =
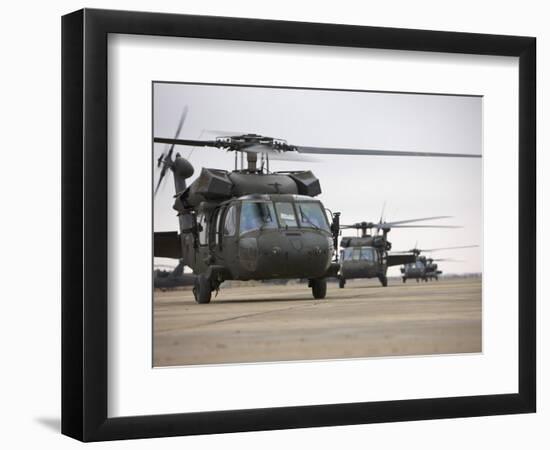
[(264, 322)]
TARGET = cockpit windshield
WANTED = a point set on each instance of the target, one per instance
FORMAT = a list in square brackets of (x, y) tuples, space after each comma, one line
[(260, 215), (359, 254), (348, 254), (257, 215)]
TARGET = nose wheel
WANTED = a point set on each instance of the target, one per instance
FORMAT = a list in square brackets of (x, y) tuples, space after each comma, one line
[(383, 280), (202, 289), (342, 282), (318, 287)]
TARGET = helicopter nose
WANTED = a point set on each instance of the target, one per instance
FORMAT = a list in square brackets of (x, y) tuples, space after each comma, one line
[(292, 254), (248, 253)]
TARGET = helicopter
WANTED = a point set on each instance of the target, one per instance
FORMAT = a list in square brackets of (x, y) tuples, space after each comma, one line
[(251, 223), (367, 256), (170, 277), (426, 268)]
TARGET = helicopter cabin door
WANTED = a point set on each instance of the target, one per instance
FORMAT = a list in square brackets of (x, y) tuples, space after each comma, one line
[(202, 252), (224, 240)]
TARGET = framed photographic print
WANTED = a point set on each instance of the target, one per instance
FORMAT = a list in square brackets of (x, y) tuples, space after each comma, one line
[(273, 224)]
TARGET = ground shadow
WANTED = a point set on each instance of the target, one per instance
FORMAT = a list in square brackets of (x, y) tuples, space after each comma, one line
[(264, 300), (352, 286), (52, 423)]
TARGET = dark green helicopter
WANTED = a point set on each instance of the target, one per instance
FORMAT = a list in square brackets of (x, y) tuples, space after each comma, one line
[(166, 277), (251, 223), (426, 268), (368, 255)]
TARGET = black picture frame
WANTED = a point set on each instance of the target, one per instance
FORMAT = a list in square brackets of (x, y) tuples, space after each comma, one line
[(84, 224)]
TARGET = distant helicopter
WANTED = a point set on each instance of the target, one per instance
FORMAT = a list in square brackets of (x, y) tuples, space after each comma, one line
[(251, 223), (167, 277), (426, 268), (367, 256)]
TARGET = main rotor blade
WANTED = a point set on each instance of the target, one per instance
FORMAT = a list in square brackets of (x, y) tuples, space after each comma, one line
[(277, 155), (426, 226), (372, 152), (399, 222), (448, 248), (188, 142), (382, 213), (381, 217), (358, 225), (290, 156)]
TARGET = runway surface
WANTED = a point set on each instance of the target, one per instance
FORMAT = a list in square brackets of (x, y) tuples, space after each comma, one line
[(262, 323)]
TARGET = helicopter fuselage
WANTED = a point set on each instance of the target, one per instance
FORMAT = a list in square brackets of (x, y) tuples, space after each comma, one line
[(249, 224), (362, 269), (368, 257), (259, 237), (363, 257), (423, 269)]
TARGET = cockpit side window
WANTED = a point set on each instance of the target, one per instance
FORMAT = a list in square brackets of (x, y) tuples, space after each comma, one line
[(230, 225), (215, 228), (201, 221)]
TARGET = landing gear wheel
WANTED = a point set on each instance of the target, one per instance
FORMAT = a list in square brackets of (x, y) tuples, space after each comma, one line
[(319, 288), (342, 283), (417, 280), (202, 289), (383, 280), (404, 280)]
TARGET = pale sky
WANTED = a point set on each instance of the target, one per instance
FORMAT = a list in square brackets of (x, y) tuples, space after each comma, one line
[(357, 186)]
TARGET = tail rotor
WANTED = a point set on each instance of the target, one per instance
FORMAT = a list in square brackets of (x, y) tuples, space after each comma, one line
[(165, 160)]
